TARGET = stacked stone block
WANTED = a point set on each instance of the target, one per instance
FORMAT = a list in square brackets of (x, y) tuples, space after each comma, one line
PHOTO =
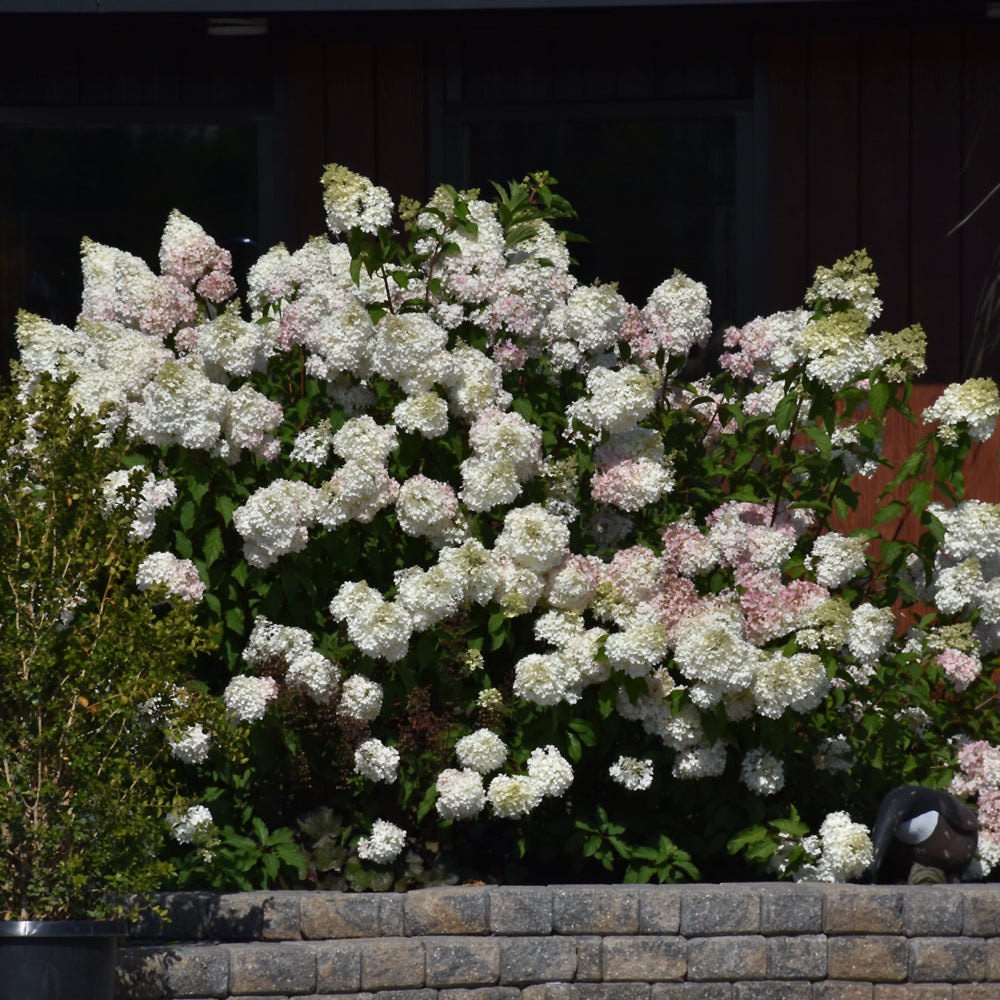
[(694, 942)]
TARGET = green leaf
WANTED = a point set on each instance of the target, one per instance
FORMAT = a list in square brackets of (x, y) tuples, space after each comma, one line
[(889, 512), (879, 395)]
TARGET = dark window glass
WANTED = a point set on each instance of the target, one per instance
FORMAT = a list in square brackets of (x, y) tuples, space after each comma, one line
[(117, 185)]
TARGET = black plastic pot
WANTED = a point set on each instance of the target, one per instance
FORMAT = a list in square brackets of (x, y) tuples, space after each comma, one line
[(57, 959)]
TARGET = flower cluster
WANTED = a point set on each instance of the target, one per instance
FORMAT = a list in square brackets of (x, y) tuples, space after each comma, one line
[(483, 498)]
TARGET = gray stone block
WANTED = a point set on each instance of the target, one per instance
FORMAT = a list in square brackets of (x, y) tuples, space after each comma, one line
[(692, 991), (482, 993), (599, 909), (862, 909), (589, 963), (392, 964), (282, 916), (237, 916), (870, 958), (329, 915), (462, 961), (196, 970), (280, 967), (728, 958), (947, 959), (418, 994), (140, 972), (913, 991), (800, 956), (338, 966), (549, 991), (520, 910), (614, 991), (719, 909), (659, 909), (772, 990), (837, 989), (390, 914), (933, 910), (537, 960), (446, 910), (790, 909), (644, 958), (981, 910)]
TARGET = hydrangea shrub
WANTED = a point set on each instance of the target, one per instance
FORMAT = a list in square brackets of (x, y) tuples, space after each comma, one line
[(502, 587)]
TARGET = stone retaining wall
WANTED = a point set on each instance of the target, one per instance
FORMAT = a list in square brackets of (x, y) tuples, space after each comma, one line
[(693, 942)]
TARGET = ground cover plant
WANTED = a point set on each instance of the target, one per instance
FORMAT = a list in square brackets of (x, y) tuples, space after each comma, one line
[(502, 592)]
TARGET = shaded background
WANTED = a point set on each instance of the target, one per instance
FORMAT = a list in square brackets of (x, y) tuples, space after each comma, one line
[(743, 143)]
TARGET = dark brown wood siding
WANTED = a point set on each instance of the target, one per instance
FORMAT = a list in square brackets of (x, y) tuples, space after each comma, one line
[(360, 103), (886, 139)]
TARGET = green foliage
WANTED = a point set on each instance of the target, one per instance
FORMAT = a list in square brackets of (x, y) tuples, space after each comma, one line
[(85, 779)]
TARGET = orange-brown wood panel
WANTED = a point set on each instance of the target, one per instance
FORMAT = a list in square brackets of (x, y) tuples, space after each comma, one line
[(789, 269), (884, 168), (935, 257), (832, 143), (981, 470)]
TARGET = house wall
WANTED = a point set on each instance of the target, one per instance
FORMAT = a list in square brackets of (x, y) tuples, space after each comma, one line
[(748, 941), (886, 139)]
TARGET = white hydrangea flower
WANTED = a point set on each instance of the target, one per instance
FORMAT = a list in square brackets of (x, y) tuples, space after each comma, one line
[(488, 482), (268, 639), (192, 745), (460, 794), (423, 413), (762, 772), (837, 559), (514, 796), (315, 674), (154, 495), (362, 439), (233, 346), (384, 844), (482, 751), (478, 569), (870, 630), (193, 827), (638, 648), (975, 402), (353, 200), (179, 576), (474, 382), (312, 444), (618, 399), (410, 349), (694, 763), (845, 850), (677, 314), (429, 596), (798, 682), (631, 773), (275, 520), (376, 761), (510, 437), (360, 698), (532, 538), (551, 770), (541, 678), (428, 508), (246, 698), (382, 630)]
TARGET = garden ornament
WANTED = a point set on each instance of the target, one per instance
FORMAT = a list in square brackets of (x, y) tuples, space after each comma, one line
[(922, 835)]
